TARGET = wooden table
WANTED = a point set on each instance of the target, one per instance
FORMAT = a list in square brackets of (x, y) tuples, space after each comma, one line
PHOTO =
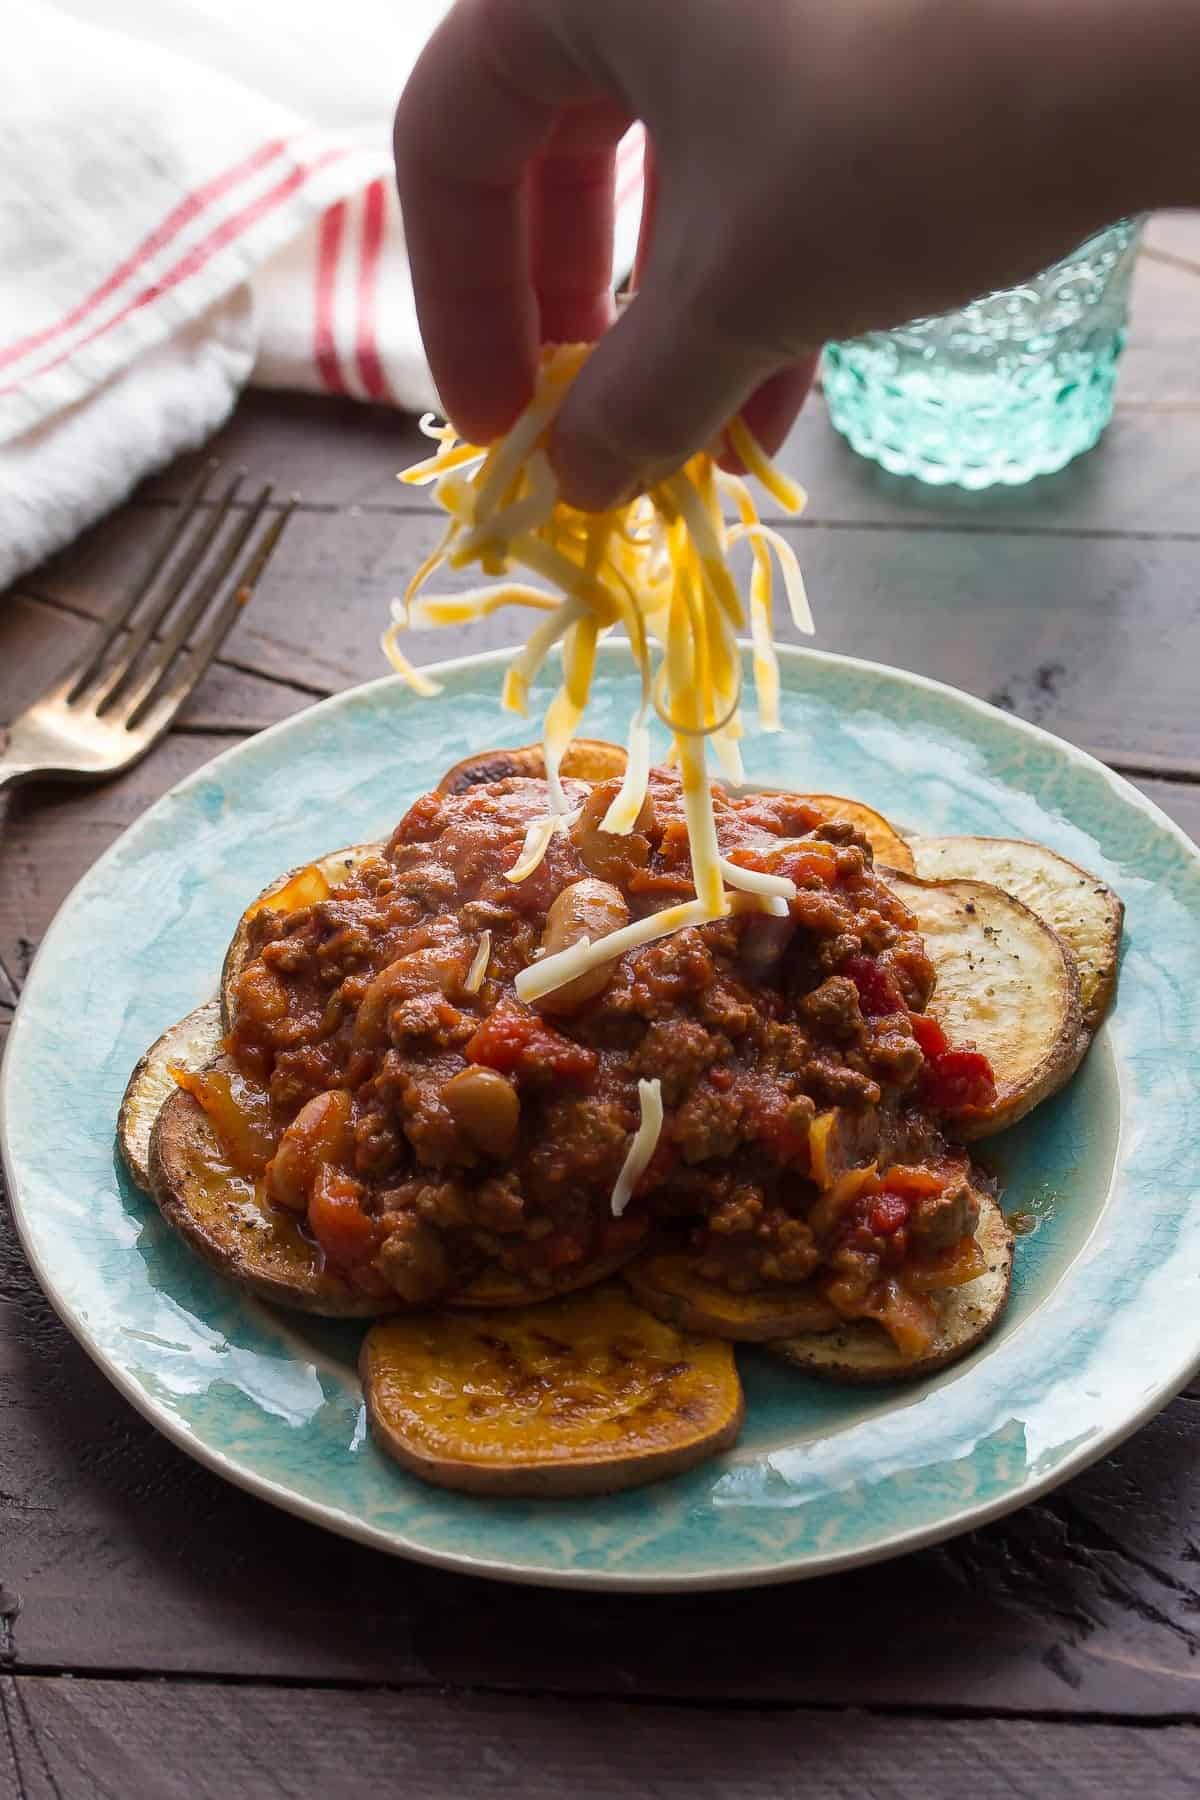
[(162, 1634)]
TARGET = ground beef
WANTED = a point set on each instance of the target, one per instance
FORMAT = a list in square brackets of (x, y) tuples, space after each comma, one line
[(939, 1221), (833, 1010), (755, 1027)]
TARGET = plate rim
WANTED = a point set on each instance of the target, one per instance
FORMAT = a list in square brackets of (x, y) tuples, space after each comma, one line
[(348, 1525)]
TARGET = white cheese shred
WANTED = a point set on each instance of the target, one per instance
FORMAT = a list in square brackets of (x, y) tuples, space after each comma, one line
[(479, 963), (642, 1147), (753, 881), (537, 842), (553, 971), (659, 569)]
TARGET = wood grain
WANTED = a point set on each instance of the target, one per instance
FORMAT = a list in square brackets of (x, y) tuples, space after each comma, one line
[(116, 1741), (39, 642), (1097, 638)]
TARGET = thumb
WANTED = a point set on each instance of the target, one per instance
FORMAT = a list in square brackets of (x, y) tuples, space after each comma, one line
[(660, 385)]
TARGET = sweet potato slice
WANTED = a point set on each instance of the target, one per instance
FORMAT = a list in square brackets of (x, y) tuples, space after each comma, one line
[(188, 1045), (579, 1396), (666, 1282), (1007, 983), (884, 839), (1086, 913), (299, 887), (587, 759), (223, 1217), (862, 1351)]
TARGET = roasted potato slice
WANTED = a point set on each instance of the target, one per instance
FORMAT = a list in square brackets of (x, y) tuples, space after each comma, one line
[(222, 1216), (1007, 983), (862, 1351), (299, 887), (1086, 913), (667, 1284), (579, 1396), (889, 847), (587, 759), (188, 1045)]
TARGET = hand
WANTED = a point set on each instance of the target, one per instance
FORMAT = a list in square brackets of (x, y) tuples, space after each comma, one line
[(818, 170)]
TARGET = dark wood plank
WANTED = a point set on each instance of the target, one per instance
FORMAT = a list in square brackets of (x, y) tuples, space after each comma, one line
[(1095, 637), (39, 642), (123, 1741), (50, 832), (338, 456), (331, 452)]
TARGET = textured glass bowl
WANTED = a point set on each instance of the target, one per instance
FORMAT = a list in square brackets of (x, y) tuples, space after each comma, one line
[(1014, 385)]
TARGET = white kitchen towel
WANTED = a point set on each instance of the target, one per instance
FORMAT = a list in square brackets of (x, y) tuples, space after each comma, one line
[(195, 193)]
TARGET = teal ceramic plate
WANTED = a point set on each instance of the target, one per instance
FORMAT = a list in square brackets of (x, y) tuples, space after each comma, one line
[(1102, 1327)]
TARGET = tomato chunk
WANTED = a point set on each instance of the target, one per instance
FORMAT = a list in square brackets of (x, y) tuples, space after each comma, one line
[(954, 1080), (959, 1081), (337, 1220), (887, 1213), (929, 1034), (515, 1041), (878, 990)]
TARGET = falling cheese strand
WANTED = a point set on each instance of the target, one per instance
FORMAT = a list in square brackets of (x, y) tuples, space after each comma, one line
[(642, 1147), (659, 568)]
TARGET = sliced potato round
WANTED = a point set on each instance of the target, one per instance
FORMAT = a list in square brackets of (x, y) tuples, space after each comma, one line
[(579, 1396), (225, 1220), (188, 1045), (863, 1351), (497, 1287), (586, 759), (299, 887), (1086, 913), (1007, 983), (889, 847), (666, 1282)]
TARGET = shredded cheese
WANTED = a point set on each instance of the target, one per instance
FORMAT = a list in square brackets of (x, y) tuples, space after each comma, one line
[(658, 568), (419, 683), (479, 963), (754, 881), (642, 1146), (554, 971), (537, 842)]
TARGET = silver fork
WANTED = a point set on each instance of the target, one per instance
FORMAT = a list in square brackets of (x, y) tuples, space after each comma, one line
[(117, 701)]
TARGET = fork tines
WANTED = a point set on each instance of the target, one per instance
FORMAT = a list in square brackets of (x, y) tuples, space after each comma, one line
[(157, 642)]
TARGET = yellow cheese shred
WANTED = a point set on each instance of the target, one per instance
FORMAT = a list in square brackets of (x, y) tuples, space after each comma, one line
[(658, 569), (642, 1146)]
